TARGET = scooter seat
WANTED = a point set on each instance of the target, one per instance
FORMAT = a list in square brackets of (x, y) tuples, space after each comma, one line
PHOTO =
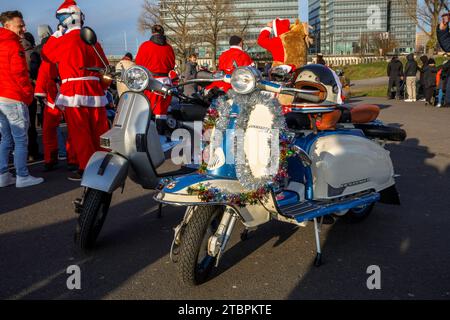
[(188, 112), (375, 130), (360, 114), (363, 113)]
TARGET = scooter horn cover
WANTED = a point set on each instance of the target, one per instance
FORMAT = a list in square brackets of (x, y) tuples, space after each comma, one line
[(257, 144)]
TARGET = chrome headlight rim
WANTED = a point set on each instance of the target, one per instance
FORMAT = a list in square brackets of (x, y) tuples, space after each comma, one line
[(244, 80), (130, 77)]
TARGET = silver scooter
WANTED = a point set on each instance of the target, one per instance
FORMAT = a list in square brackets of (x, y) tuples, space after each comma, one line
[(136, 150)]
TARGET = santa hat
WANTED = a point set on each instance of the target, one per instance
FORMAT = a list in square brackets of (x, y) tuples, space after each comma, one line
[(70, 15), (69, 6), (281, 26)]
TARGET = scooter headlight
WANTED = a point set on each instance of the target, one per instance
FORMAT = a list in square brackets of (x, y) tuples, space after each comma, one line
[(244, 80), (136, 79)]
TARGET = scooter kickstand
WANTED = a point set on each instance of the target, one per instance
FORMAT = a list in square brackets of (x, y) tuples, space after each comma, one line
[(318, 260), (159, 211)]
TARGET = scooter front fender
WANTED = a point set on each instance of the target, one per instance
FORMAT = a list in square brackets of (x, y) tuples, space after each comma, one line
[(105, 171), (177, 193)]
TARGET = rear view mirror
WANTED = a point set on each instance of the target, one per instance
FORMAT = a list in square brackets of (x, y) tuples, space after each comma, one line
[(88, 36)]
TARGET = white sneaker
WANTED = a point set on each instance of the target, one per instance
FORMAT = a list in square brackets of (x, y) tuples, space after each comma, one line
[(23, 182), (414, 100), (6, 179), (408, 100)]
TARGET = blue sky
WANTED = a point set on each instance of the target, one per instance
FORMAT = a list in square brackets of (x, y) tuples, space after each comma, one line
[(111, 19)]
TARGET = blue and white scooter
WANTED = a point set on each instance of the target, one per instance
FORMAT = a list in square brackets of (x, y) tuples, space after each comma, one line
[(340, 172)]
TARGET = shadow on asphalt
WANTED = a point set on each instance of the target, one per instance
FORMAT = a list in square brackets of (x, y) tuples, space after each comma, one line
[(411, 248), (409, 244), (132, 239), (241, 250), (25, 197)]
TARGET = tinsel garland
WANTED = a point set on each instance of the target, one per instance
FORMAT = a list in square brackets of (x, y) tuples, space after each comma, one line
[(247, 105), (218, 117), (216, 195)]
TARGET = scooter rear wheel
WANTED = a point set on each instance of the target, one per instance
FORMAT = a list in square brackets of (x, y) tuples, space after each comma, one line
[(194, 264), (356, 215), (92, 217)]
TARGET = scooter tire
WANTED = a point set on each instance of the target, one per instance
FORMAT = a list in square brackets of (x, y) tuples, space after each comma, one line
[(357, 215), (194, 241), (92, 217)]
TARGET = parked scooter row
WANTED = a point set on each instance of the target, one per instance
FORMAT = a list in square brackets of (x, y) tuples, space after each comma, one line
[(258, 168)]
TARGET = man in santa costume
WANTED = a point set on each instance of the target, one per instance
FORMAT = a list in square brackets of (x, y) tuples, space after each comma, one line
[(81, 93), (287, 43), (231, 59), (159, 58)]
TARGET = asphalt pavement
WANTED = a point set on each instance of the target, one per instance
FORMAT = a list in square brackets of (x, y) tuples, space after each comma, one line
[(409, 243)]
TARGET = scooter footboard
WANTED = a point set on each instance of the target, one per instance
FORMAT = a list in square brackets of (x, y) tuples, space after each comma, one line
[(105, 171)]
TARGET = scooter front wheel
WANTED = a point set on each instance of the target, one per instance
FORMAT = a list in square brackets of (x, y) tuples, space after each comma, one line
[(92, 217), (194, 263)]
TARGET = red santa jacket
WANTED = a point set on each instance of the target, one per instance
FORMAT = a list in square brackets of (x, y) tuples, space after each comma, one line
[(79, 87), (15, 83), (274, 44), (46, 86), (158, 57), (228, 61)]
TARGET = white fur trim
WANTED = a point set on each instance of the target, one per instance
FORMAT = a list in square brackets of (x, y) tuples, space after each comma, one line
[(266, 29), (160, 116), (40, 94), (84, 101), (274, 26), (51, 105), (236, 47), (80, 79), (70, 9), (72, 29)]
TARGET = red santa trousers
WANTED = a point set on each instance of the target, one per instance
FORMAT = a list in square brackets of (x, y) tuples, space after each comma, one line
[(52, 119), (86, 125), (158, 104)]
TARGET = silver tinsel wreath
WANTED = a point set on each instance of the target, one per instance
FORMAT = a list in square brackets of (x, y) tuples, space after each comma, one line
[(247, 104)]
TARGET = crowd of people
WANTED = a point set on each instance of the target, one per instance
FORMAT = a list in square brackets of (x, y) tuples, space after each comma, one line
[(430, 87)]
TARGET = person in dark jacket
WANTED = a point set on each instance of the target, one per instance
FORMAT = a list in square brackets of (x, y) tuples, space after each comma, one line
[(421, 91), (429, 79), (395, 74), (443, 36), (411, 69), (33, 61), (190, 73)]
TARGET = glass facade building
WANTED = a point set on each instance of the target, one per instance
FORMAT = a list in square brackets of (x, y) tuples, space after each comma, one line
[(340, 25)]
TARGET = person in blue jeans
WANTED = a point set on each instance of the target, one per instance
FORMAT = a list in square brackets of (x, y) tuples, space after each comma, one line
[(16, 93)]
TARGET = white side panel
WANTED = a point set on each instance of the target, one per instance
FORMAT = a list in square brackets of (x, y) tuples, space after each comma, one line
[(345, 164)]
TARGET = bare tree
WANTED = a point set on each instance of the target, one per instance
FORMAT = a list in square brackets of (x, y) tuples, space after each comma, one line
[(364, 45), (383, 42), (216, 20), (426, 16), (177, 19)]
